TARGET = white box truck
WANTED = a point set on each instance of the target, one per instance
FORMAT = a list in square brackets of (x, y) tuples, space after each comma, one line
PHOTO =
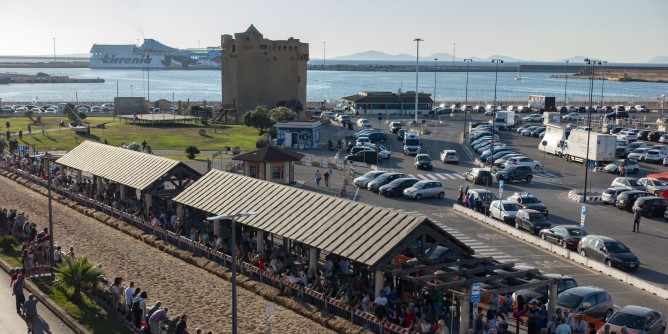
[(601, 146), (554, 139), (505, 119)]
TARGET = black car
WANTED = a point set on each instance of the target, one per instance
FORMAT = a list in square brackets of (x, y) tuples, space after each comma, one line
[(479, 176), (531, 220), (512, 173), (423, 161), (370, 157), (528, 201), (617, 115), (609, 251), (626, 199), (592, 301), (397, 186), (650, 206), (377, 137), (567, 236), (384, 179), (643, 134), (655, 135), (485, 196), (536, 133), (401, 133), (539, 293)]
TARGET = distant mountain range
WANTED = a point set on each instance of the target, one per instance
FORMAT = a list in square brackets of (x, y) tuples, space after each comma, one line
[(377, 55)]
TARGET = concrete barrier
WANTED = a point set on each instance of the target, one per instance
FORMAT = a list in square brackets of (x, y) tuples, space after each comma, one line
[(573, 256)]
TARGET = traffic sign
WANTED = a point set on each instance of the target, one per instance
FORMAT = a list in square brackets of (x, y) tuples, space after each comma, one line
[(634, 117), (475, 292), (583, 215), (500, 188), (23, 149), (591, 164)]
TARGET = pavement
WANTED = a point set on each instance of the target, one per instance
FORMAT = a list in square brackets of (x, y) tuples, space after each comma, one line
[(11, 322)]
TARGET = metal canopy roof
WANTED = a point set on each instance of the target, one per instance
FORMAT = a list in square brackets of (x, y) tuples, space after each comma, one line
[(360, 232), (133, 169)]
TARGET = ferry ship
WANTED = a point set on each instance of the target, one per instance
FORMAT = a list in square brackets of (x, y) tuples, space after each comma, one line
[(154, 55)]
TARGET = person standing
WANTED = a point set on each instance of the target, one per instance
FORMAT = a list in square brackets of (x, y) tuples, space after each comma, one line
[(563, 328), (326, 175), (637, 214), (182, 326), (156, 319), (138, 308), (30, 308), (29, 129), (580, 326), (622, 170), (44, 128), (128, 293), (317, 177), (208, 164), (17, 292)]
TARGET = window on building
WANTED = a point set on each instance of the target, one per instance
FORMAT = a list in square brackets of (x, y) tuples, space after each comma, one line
[(234, 48), (277, 172), (253, 171)]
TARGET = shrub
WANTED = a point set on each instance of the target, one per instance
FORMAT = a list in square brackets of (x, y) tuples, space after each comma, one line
[(7, 243), (262, 142), (192, 151)]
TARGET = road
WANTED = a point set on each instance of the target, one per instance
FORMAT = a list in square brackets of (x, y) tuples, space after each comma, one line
[(552, 188)]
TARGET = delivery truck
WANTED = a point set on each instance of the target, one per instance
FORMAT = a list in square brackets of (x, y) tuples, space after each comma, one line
[(554, 139), (505, 119), (601, 147)]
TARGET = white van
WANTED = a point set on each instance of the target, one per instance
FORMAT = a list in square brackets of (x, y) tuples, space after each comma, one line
[(107, 107)]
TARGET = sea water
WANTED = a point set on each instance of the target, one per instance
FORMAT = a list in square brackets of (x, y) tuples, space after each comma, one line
[(205, 85)]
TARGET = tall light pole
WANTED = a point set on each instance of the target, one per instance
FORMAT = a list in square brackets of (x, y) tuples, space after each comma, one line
[(48, 176), (496, 77), (417, 71), (233, 248), (454, 49), (148, 78), (566, 84), (603, 62), (435, 60), (324, 54), (591, 64), (54, 50), (466, 96)]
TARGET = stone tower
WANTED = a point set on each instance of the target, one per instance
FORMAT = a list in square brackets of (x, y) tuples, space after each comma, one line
[(257, 71)]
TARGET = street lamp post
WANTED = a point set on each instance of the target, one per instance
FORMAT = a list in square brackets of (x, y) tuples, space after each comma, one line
[(603, 62), (435, 60), (417, 71), (324, 54), (566, 85), (54, 51), (591, 64), (48, 177), (496, 77), (234, 260), (454, 49), (466, 95)]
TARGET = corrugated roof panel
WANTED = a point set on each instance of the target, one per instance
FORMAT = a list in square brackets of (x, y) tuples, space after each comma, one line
[(133, 169), (363, 232)]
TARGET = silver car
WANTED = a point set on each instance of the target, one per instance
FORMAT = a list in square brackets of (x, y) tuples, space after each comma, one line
[(638, 320), (425, 188), (364, 180), (609, 195)]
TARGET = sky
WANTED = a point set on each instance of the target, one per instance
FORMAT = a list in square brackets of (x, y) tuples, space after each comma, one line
[(545, 30)]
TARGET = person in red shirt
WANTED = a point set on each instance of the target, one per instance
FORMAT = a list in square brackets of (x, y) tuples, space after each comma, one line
[(409, 318), (17, 275)]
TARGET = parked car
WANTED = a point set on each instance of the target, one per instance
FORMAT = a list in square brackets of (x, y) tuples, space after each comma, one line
[(423, 161), (593, 301), (630, 109), (540, 293), (95, 109), (449, 156), (642, 134), (626, 199), (363, 123), (609, 196), (395, 126), (663, 138), (397, 186), (523, 161), (653, 185), (617, 115), (536, 133), (51, 110), (503, 210), (637, 320), (627, 135), (364, 180), (631, 166), (485, 196), (638, 154), (528, 201), (366, 156), (479, 176), (567, 236), (609, 251), (501, 162), (573, 116), (655, 135), (642, 108), (650, 206), (533, 118), (628, 182), (654, 156), (377, 137), (512, 173), (401, 133), (531, 220), (425, 189), (383, 179), (529, 130)]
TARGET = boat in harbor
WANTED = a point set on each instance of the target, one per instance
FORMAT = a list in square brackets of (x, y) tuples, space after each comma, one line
[(4, 79), (154, 55)]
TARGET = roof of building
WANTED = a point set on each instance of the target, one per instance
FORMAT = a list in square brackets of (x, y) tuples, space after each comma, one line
[(133, 169), (269, 154), (360, 232)]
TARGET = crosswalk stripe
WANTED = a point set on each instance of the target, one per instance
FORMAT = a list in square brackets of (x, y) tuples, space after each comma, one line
[(460, 176), (431, 176), (420, 176), (441, 176), (451, 176)]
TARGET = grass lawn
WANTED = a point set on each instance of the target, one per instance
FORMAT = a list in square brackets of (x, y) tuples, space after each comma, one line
[(165, 137), (87, 313)]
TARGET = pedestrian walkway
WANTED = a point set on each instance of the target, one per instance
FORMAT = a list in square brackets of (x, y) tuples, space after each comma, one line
[(458, 176), (479, 247), (10, 322)]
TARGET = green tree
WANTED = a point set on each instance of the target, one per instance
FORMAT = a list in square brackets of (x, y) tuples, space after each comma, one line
[(259, 119), (293, 104), (282, 114), (78, 274), (192, 151)]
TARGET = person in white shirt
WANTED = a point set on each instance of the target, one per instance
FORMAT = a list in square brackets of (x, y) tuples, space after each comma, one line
[(563, 328), (329, 266), (128, 292), (381, 299)]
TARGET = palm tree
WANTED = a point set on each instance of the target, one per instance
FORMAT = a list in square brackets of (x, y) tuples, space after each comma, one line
[(78, 274)]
